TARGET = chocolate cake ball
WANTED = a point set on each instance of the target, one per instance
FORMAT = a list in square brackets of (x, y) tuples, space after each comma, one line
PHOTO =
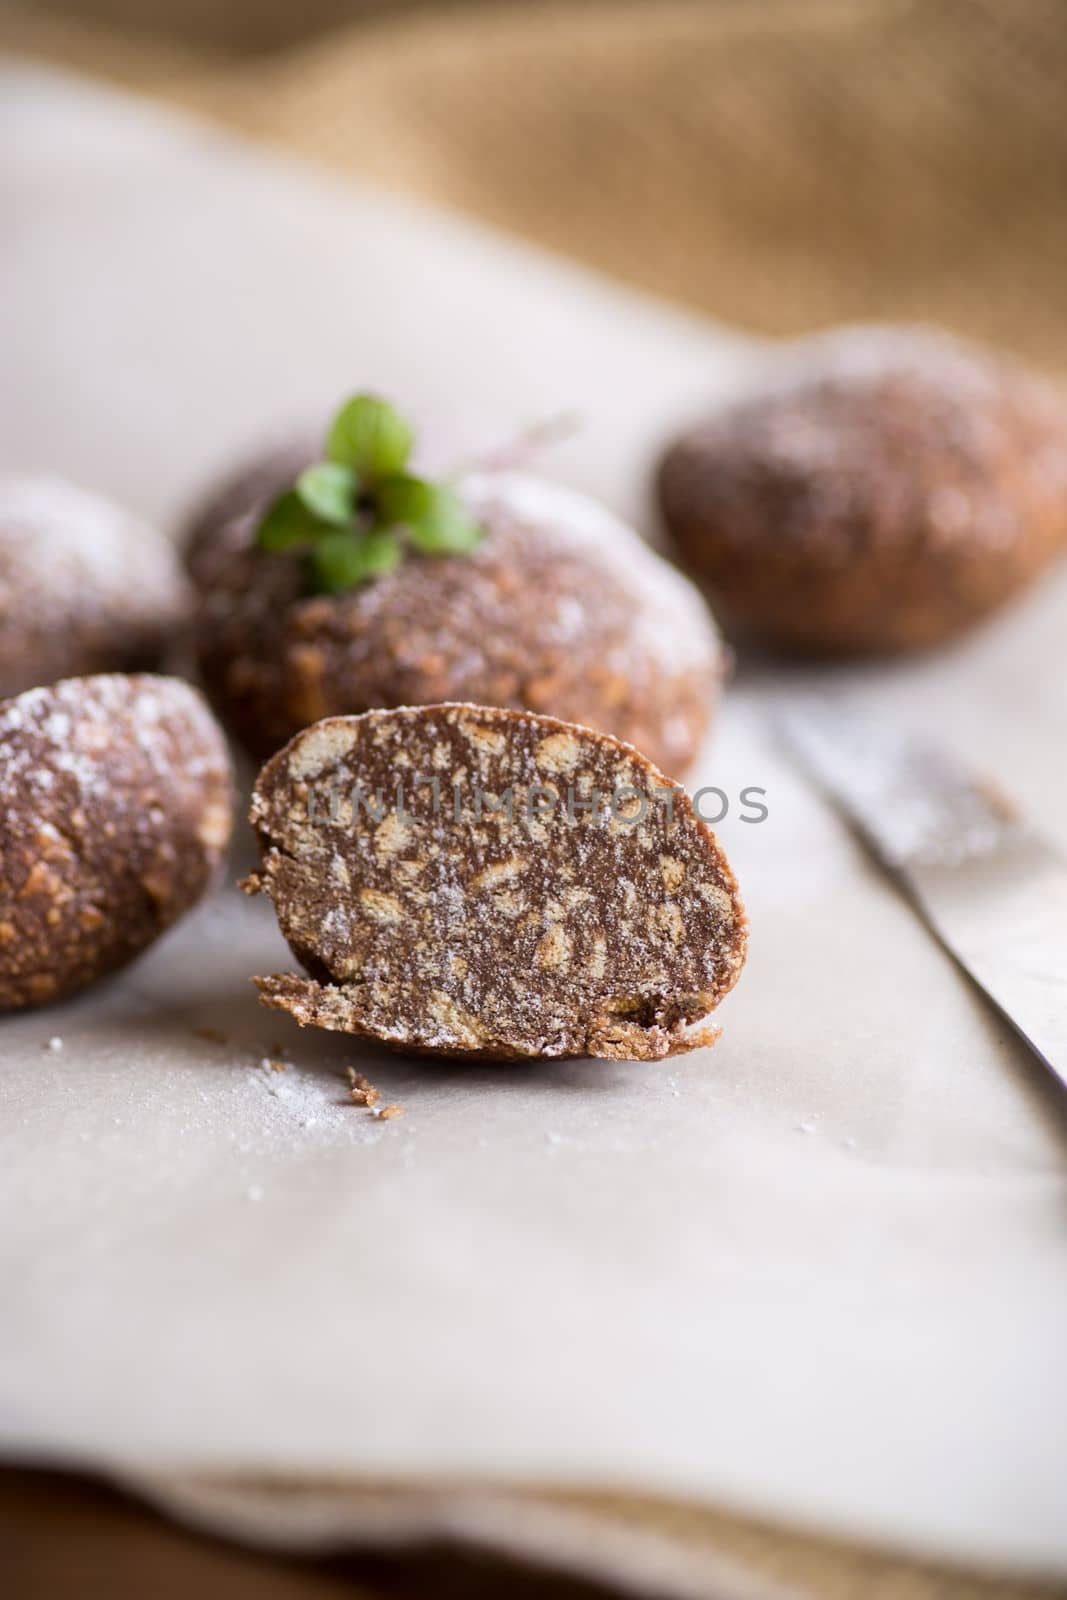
[(554, 895), (880, 490), (84, 586), (249, 489), (115, 811), (560, 608)]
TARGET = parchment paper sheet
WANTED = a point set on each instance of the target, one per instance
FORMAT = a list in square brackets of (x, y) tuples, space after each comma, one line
[(817, 1272)]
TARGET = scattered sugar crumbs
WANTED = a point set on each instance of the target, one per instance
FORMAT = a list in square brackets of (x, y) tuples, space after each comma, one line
[(360, 1089), (275, 1062), (364, 1093)]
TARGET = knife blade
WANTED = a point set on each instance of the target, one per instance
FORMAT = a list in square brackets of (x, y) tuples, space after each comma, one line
[(987, 885)]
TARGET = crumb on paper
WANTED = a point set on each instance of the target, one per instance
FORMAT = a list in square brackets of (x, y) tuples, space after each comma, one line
[(211, 1035), (387, 1113), (360, 1089), (273, 1064), (55, 1044)]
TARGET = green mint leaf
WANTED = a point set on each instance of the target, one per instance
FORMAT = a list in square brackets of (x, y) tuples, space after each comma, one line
[(382, 551), (402, 500), (329, 491), (370, 437), (343, 560), (358, 513), (289, 525), (445, 526)]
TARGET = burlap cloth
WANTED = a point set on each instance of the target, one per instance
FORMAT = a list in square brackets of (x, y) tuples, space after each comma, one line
[(780, 165)]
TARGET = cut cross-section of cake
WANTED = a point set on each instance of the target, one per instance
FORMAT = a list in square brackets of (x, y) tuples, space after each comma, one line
[(478, 882)]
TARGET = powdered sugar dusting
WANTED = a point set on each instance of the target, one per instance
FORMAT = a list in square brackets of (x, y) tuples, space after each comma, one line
[(68, 553), (66, 729), (825, 407), (116, 807), (672, 625)]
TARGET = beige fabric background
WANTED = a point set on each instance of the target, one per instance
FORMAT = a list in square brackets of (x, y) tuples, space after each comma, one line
[(779, 165)]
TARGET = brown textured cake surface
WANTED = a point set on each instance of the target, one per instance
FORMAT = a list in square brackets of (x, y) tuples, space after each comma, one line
[(881, 489), (115, 811), (562, 609), (84, 586), (495, 915)]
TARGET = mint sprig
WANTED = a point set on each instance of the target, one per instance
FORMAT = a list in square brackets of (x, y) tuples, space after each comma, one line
[(330, 492), (370, 437), (357, 514)]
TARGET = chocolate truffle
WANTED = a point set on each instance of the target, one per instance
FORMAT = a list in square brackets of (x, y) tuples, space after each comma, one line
[(115, 810), (560, 609), (463, 880), (881, 489), (84, 586)]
